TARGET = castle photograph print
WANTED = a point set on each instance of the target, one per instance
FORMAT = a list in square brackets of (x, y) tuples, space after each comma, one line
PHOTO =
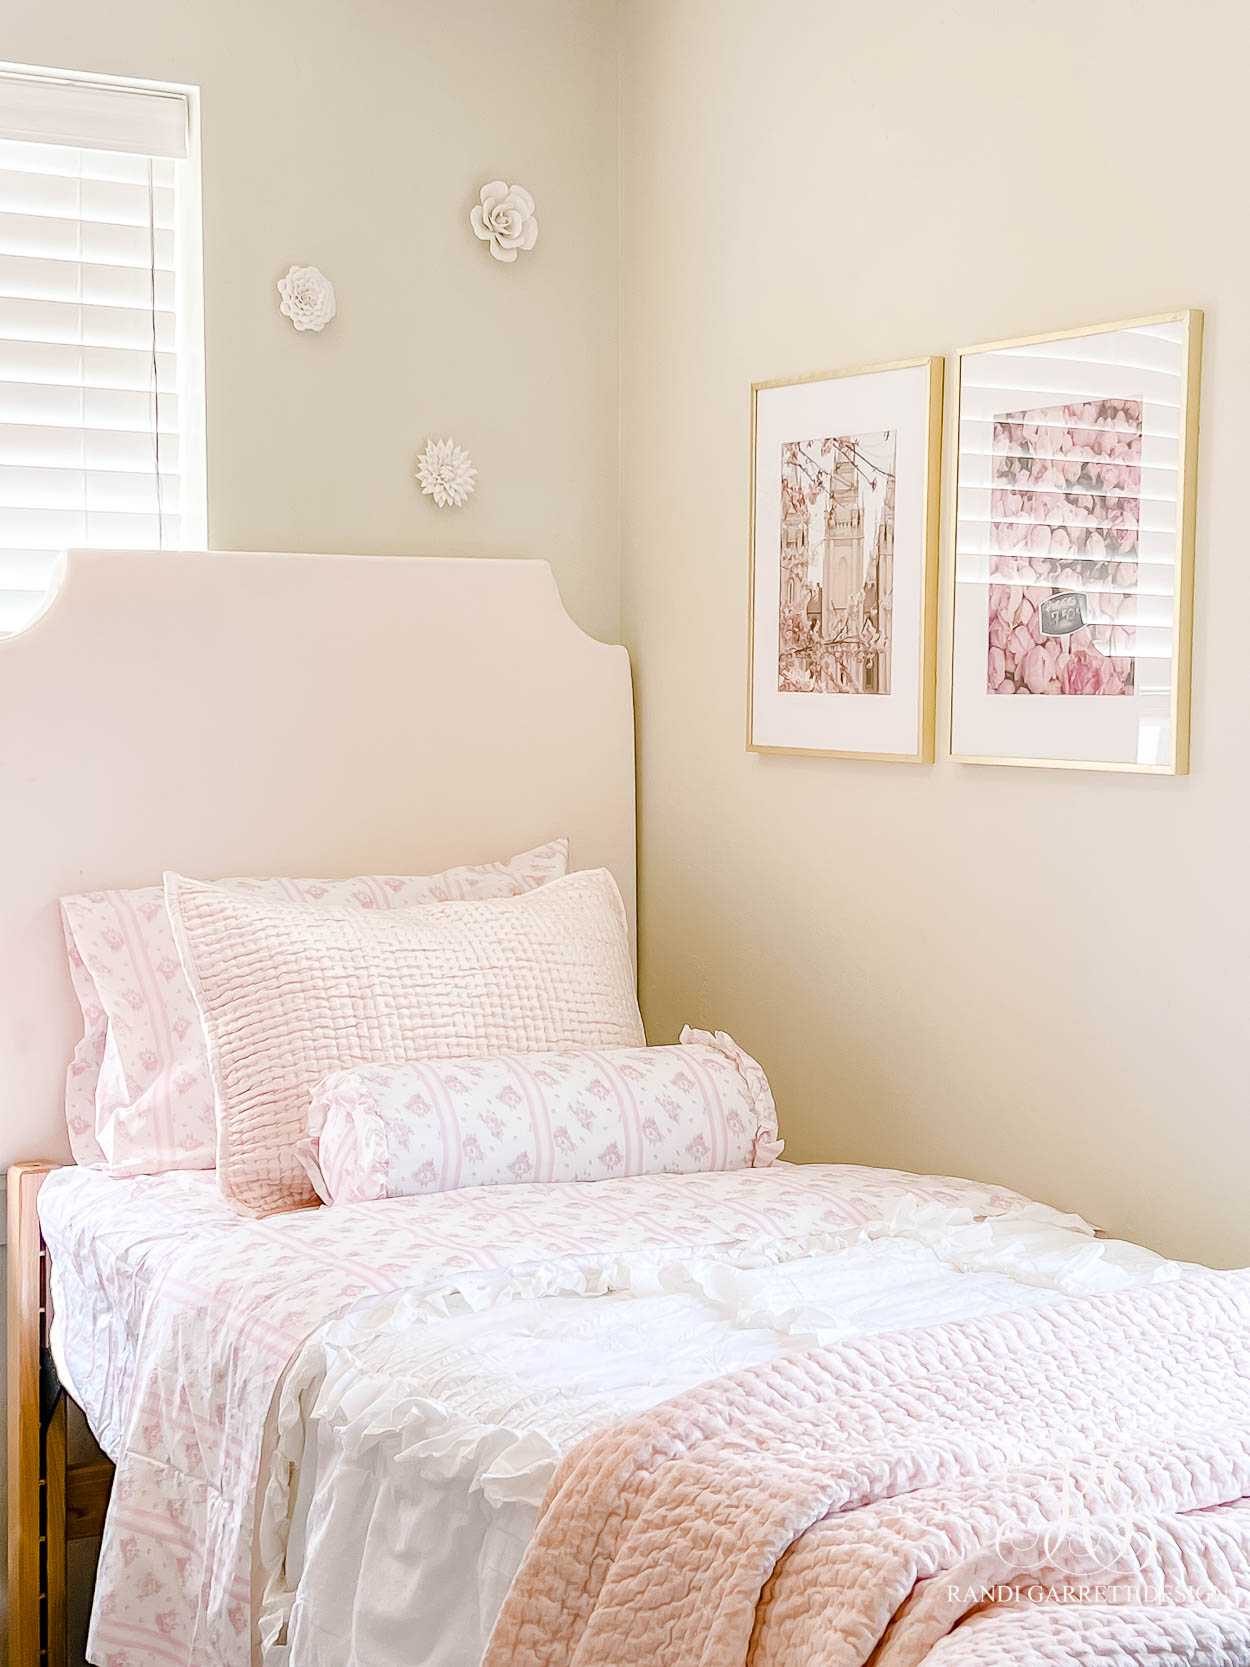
[(843, 528), (837, 564)]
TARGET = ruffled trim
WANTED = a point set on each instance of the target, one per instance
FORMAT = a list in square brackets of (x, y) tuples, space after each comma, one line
[(511, 1466), (356, 1166), (767, 1148)]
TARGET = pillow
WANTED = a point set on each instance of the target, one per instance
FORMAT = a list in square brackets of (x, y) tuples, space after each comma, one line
[(394, 1131), (139, 1096), (288, 994)]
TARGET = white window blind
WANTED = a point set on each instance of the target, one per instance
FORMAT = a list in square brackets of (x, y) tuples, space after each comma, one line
[(101, 359)]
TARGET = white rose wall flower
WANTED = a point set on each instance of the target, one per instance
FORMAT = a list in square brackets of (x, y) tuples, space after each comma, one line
[(504, 218), (446, 473), (307, 298)]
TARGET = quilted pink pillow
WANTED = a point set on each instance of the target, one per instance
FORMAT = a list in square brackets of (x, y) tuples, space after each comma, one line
[(288, 995), (392, 1131), (139, 1094)]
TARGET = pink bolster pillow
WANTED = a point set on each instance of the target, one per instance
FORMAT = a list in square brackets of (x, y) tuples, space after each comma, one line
[(573, 1114)]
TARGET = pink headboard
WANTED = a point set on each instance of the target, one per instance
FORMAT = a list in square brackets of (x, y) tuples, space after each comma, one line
[(254, 714)]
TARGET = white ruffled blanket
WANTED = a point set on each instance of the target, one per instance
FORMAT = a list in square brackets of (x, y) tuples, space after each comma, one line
[(436, 1357)]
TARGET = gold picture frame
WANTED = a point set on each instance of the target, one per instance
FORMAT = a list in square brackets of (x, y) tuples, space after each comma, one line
[(1189, 323), (927, 533)]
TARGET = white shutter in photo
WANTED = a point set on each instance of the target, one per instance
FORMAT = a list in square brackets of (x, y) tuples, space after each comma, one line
[(101, 325)]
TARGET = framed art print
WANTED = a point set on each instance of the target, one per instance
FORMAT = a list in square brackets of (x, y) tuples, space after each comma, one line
[(843, 595), (1073, 567)]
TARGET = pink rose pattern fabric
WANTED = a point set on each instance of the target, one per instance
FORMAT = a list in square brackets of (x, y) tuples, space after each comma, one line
[(213, 1306), (139, 1095), (1066, 510), (569, 1115)]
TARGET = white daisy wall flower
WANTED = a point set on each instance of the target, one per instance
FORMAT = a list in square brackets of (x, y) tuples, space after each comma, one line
[(504, 218), (446, 473)]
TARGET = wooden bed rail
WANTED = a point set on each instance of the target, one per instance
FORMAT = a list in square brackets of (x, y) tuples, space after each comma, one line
[(50, 1500)]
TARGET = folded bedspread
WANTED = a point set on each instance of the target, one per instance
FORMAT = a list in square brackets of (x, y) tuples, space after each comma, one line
[(1060, 1484)]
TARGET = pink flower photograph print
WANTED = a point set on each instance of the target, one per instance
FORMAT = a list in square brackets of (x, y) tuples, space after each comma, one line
[(837, 565), (1065, 508)]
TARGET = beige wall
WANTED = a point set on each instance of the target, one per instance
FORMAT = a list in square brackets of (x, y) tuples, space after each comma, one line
[(806, 185), (355, 137)]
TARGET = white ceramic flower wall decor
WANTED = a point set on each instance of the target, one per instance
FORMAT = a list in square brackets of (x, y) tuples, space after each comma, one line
[(446, 473), (504, 218), (307, 298)]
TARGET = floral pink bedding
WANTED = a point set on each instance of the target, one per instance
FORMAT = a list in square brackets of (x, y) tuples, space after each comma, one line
[(1060, 1484), (213, 1306)]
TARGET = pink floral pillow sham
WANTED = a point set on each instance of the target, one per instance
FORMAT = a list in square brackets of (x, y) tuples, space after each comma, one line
[(139, 1094), (389, 1131)]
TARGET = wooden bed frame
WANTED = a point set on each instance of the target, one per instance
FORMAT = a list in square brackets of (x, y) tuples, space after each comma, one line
[(51, 1501), (233, 713)]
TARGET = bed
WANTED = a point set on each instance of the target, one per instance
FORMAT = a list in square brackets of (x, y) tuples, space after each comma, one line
[(371, 1432), (236, 713), (404, 1376)]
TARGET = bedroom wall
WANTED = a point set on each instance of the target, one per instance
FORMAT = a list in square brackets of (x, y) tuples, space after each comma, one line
[(808, 184), (356, 137)]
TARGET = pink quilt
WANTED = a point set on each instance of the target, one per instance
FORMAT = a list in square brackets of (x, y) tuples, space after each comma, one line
[(190, 1315), (1057, 1485)]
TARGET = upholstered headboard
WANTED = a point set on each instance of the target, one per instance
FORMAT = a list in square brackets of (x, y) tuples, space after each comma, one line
[(253, 714)]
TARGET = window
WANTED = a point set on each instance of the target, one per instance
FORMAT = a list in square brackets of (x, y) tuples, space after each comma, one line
[(101, 333)]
